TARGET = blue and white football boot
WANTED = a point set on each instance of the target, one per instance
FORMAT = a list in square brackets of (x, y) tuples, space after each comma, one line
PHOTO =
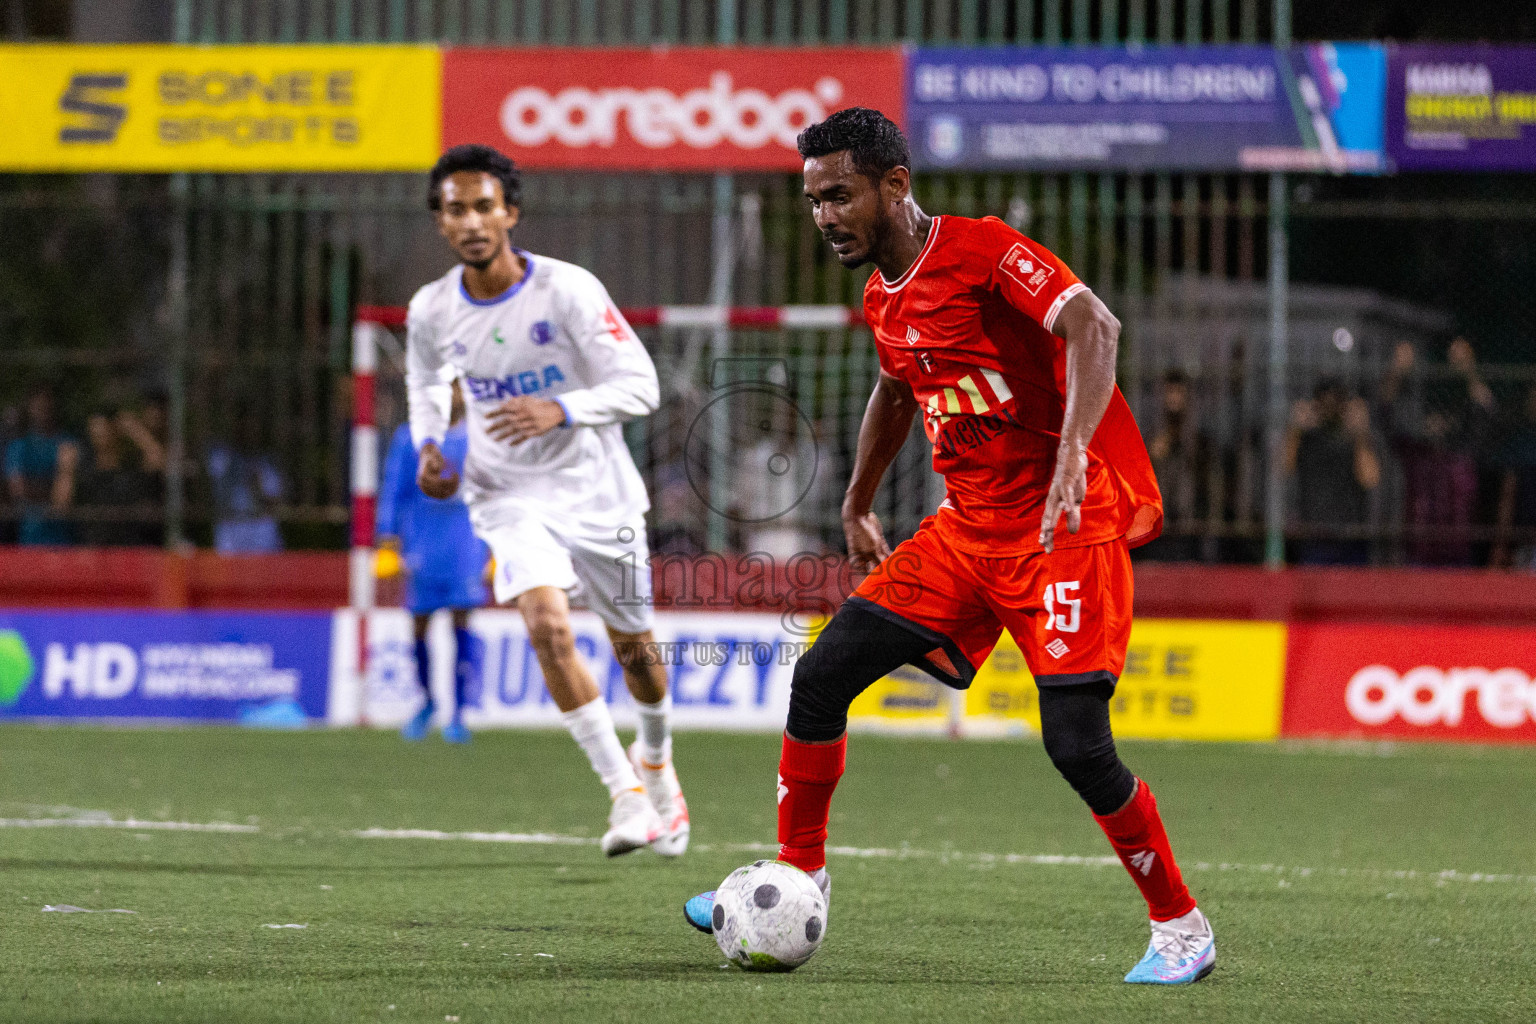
[(699, 911), (1182, 952)]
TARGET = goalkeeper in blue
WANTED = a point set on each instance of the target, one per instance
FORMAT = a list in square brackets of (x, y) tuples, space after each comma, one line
[(444, 563)]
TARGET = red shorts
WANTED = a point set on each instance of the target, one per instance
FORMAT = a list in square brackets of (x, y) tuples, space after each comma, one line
[(1069, 611)]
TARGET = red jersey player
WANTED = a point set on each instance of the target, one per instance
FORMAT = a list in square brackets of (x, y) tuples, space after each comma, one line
[(1010, 360)]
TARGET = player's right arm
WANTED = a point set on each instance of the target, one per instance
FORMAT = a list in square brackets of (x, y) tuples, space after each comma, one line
[(1091, 334), (428, 421), (887, 422), (1036, 282)]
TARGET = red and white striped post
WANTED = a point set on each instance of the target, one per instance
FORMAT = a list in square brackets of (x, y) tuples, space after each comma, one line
[(365, 489), (763, 318)]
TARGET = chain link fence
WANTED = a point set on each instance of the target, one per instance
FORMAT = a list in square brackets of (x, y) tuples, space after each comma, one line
[(1392, 460)]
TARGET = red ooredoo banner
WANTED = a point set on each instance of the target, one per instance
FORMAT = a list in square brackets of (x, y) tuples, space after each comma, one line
[(1411, 682), (684, 108)]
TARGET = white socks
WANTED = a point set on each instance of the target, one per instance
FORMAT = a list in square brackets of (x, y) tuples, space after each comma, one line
[(591, 726), (655, 730)]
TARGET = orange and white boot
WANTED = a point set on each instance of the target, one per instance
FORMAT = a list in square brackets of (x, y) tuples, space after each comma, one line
[(666, 794)]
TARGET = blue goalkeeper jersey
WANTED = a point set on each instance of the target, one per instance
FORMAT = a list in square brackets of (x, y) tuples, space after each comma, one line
[(437, 543)]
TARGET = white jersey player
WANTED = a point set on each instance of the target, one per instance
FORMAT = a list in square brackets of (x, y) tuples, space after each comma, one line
[(550, 371)]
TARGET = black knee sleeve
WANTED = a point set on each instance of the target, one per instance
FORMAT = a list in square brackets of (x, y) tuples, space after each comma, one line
[(855, 649), (1074, 722)]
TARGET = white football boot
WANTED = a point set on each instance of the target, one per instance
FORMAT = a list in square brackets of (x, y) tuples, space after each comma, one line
[(666, 795), (1182, 952), (632, 823)]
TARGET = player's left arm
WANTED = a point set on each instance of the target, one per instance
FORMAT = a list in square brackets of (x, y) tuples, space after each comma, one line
[(623, 378), (1092, 336), (395, 485)]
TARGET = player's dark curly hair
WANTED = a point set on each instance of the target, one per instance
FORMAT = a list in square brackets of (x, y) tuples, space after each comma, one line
[(475, 158), (871, 138)]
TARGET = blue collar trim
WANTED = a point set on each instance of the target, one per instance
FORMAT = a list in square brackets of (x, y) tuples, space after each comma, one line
[(504, 296)]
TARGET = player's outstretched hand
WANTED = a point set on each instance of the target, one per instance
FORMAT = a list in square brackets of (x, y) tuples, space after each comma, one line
[(866, 541), (518, 419), (1069, 485), (430, 475)]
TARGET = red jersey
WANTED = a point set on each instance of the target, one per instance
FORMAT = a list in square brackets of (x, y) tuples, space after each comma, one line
[(968, 326)]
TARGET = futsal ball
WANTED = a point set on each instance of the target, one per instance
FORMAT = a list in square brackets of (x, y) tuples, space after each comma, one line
[(769, 916)]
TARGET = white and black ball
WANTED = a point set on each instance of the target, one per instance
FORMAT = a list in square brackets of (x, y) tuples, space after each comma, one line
[(769, 916)]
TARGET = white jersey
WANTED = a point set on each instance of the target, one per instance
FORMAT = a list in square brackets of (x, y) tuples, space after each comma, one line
[(555, 335)]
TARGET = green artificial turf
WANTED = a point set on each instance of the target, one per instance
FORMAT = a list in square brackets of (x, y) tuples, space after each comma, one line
[(1301, 855)]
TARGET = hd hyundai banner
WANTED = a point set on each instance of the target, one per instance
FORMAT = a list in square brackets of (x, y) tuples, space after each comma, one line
[(684, 108), (1462, 108), (1316, 107), (258, 669), (1411, 682)]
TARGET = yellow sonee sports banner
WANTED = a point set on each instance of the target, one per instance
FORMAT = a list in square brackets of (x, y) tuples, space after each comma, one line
[(1190, 679), (219, 108), (1183, 679)]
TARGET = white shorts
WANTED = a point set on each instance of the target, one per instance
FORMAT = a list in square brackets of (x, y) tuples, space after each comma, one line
[(604, 568)]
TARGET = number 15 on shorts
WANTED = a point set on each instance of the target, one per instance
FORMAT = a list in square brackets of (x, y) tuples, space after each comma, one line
[(1063, 610)]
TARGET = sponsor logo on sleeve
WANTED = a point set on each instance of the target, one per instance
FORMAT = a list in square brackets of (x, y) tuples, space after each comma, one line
[(1024, 267)]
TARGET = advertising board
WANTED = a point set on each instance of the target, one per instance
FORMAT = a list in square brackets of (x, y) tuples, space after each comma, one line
[(218, 108), (204, 666), (1462, 108), (1411, 682), (725, 671), (1183, 679), (667, 108), (1313, 107), (1188, 679)]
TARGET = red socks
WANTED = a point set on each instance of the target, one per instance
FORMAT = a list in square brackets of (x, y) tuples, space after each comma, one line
[(1136, 832), (808, 773)]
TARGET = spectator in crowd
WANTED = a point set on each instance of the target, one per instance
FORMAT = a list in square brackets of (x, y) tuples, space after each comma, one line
[(1515, 460), (675, 504), (10, 430), (1331, 454), (144, 431), (247, 487), (1178, 459), (1438, 442), (40, 470), (778, 486), (117, 489)]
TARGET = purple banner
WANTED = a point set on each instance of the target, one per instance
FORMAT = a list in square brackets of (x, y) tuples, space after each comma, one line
[(1315, 107), (1462, 108)]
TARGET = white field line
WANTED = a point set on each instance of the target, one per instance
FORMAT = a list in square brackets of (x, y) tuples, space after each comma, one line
[(952, 856), (129, 824), (91, 820), (524, 838)]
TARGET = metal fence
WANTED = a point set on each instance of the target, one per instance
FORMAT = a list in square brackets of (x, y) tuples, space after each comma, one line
[(222, 303)]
